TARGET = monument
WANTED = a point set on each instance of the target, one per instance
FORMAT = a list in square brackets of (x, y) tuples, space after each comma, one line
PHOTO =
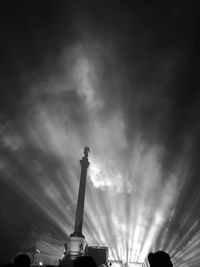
[(76, 241)]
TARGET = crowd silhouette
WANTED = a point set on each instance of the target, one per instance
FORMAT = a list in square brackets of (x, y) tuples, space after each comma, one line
[(22, 260), (157, 259), (85, 261)]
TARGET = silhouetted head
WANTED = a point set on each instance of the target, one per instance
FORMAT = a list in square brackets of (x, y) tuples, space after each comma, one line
[(159, 259), (85, 261), (22, 260)]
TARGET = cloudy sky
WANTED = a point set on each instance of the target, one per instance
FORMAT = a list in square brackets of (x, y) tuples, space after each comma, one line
[(122, 78)]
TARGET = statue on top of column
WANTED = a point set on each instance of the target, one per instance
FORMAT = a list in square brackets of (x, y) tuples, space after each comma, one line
[(86, 151)]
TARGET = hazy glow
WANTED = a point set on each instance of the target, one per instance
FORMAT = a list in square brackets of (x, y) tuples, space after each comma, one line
[(130, 201)]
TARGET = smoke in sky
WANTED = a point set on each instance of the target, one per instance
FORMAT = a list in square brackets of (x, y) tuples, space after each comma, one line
[(69, 110), (125, 87)]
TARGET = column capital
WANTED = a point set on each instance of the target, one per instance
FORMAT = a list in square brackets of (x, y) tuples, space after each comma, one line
[(84, 162)]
